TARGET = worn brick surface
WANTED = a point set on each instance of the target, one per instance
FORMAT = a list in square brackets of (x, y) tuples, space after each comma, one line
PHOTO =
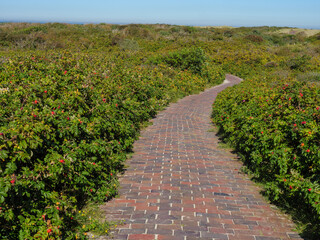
[(180, 185)]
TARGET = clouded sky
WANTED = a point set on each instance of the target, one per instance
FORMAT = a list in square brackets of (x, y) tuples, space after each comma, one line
[(293, 13)]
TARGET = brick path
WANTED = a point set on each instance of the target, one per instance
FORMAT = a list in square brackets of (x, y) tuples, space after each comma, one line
[(180, 185)]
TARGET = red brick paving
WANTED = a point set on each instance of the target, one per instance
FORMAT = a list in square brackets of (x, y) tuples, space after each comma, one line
[(180, 185)]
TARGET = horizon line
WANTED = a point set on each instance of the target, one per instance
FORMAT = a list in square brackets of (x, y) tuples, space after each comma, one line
[(140, 23)]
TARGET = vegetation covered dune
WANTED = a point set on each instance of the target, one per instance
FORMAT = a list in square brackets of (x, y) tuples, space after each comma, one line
[(74, 98)]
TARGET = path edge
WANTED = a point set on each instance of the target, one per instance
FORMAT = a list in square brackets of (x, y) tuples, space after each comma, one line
[(230, 78)]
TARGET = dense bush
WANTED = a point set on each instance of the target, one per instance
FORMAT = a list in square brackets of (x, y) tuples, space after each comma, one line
[(298, 63), (67, 122), (185, 59), (272, 120), (309, 76), (275, 128), (254, 38), (74, 97)]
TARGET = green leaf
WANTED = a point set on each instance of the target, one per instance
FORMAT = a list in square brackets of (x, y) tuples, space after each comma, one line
[(23, 144), (3, 154)]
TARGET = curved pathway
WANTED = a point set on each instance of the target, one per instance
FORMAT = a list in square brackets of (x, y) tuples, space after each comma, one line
[(180, 185)]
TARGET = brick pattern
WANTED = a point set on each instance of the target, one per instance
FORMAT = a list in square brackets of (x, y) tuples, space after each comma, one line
[(180, 186)]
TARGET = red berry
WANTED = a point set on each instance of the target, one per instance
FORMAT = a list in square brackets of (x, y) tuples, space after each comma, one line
[(261, 132), (62, 161), (68, 118), (45, 91), (52, 112), (1, 134), (90, 190), (116, 105), (65, 72), (12, 181), (290, 187), (111, 174), (49, 230), (308, 150), (309, 189), (35, 101)]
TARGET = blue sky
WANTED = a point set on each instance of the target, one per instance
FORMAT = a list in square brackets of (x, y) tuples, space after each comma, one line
[(293, 13)]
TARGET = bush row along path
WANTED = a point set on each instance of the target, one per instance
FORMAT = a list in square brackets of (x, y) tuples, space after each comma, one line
[(180, 185)]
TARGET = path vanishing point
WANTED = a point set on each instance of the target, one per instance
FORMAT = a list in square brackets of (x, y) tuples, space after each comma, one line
[(180, 186)]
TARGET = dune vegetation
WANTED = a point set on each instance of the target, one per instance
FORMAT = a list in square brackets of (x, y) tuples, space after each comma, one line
[(75, 97)]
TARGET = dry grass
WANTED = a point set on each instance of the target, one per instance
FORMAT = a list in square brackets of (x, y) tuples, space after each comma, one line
[(294, 31)]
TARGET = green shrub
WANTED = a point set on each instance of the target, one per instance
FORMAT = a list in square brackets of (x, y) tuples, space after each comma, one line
[(274, 127), (189, 29), (128, 44), (68, 121), (228, 33), (32, 29), (299, 63), (186, 59), (275, 39), (309, 76), (254, 38)]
